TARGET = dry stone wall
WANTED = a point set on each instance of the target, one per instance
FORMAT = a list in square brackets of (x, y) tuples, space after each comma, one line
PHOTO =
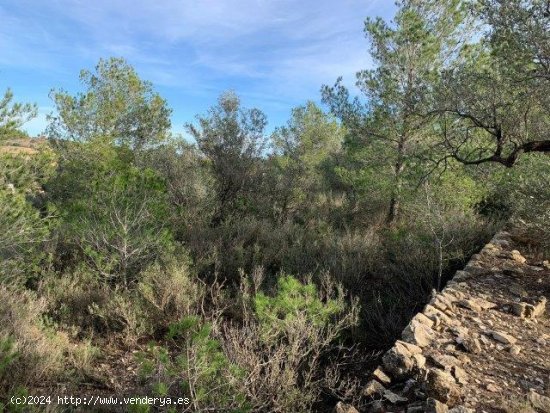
[(479, 345)]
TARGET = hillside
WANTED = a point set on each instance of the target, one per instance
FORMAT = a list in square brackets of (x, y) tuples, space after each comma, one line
[(21, 146), (377, 243)]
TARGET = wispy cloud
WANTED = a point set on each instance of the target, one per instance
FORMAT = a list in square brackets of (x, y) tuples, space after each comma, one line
[(276, 50)]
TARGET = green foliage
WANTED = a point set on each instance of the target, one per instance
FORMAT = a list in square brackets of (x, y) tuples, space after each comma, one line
[(25, 220), (372, 194), (170, 292), (114, 212), (190, 185), (291, 300), (492, 100), (44, 354), (81, 301), (198, 367), (285, 341), (7, 354), (13, 116), (303, 151), (389, 132), (22, 229), (116, 107), (232, 139)]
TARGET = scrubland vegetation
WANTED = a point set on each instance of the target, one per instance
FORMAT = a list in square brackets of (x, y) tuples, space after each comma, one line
[(262, 272)]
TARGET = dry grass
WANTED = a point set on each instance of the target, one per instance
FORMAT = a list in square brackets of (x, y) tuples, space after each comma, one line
[(42, 354)]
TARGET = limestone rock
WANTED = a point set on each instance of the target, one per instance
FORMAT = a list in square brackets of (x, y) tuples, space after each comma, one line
[(460, 331), (420, 360), (444, 361), (516, 256), (474, 268), (514, 350), (470, 344), (461, 409), (437, 315), (442, 386), (461, 276), (484, 304), (418, 333), (518, 290), (502, 243), (485, 340), (459, 374), (398, 361), (492, 388), (522, 310), (529, 310), (503, 337), (453, 294), (382, 377), (345, 408), (435, 406), (539, 401), (540, 306), (470, 304), (411, 348), (442, 302), (421, 318), (372, 388), (394, 398)]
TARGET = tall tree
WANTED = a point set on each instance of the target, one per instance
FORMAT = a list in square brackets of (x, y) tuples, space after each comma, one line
[(302, 148), (408, 55), (232, 139), (116, 107), (493, 104), (114, 207)]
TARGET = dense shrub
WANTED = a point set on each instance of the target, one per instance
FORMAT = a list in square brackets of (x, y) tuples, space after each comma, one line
[(25, 221), (194, 366), (33, 351), (153, 237), (284, 340), (83, 302)]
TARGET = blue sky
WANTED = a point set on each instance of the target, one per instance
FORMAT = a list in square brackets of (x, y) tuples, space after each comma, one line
[(275, 54)]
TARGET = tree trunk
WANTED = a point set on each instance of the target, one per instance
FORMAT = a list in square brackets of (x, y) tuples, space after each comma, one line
[(395, 200)]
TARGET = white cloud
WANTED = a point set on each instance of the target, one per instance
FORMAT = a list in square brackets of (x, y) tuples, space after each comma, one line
[(276, 50)]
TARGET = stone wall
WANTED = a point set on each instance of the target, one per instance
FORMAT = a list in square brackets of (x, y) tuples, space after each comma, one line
[(475, 345)]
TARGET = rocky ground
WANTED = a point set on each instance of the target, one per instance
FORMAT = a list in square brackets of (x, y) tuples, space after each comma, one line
[(480, 345)]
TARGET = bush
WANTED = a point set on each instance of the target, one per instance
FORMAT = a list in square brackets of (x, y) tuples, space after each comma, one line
[(69, 297), (34, 352), (281, 357), (285, 367), (292, 300), (168, 294), (195, 366), (114, 213), (81, 300)]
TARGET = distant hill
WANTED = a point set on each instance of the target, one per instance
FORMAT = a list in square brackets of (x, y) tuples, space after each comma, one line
[(29, 146)]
